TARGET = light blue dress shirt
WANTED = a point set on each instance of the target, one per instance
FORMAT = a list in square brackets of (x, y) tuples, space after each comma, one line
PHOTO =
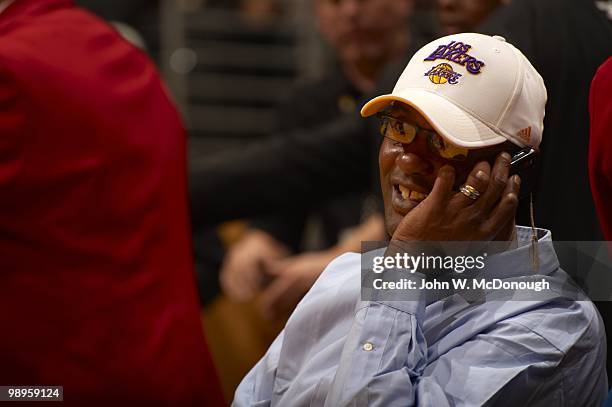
[(337, 350)]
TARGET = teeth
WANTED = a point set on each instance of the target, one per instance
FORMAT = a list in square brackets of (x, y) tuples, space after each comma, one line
[(417, 196), (412, 195)]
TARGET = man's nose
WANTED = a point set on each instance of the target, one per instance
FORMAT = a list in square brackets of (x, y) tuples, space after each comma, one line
[(412, 162)]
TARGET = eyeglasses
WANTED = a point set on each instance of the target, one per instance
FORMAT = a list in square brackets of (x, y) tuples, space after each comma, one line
[(405, 133)]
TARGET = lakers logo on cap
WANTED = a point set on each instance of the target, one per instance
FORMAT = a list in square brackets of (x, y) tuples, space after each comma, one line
[(443, 73), (457, 52)]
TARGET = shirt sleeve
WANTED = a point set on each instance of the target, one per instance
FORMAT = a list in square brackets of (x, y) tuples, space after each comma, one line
[(383, 357), (258, 385)]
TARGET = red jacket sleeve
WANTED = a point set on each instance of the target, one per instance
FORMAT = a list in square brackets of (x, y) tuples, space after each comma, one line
[(600, 147), (12, 124)]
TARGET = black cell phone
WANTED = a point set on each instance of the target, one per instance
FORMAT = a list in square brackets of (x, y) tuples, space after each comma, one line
[(522, 160), (523, 163)]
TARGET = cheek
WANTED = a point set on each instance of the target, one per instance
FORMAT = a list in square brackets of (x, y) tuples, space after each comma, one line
[(386, 161)]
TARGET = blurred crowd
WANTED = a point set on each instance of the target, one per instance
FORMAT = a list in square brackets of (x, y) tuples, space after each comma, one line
[(268, 213)]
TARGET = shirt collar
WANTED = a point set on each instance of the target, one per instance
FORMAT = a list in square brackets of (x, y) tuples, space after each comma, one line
[(519, 262)]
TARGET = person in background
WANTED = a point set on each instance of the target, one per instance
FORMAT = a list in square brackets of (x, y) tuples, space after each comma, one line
[(365, 36), (97, 289), (600, 148)]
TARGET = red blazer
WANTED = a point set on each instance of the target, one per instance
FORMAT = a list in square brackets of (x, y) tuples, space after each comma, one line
[(600, 145), (96, 285)]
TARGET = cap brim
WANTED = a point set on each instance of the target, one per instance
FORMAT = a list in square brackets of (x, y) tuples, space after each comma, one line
[(445, 117)]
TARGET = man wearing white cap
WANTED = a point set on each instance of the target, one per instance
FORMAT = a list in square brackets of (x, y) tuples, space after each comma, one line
[(462, 106)]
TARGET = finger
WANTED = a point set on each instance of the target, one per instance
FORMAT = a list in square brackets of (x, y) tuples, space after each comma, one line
[(505, 210), (497, 183), (247, 277), (274, 267), (228, 282), (443, 187), (478, 179), (240, 280), (237, 288)]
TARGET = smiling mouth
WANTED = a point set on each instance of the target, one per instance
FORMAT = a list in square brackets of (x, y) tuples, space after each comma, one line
[(408, 194)]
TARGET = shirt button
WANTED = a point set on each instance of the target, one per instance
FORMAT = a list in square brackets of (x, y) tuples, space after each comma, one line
[(368, 346)]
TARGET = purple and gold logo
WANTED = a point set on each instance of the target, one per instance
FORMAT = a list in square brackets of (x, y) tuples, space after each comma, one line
[(443, 73), (457, 52)]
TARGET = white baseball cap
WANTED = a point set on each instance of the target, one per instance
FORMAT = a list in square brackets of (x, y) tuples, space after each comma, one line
[(475, 90)]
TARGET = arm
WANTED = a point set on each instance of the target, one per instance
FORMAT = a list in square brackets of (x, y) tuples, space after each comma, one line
[(294, 276), (282, 172)]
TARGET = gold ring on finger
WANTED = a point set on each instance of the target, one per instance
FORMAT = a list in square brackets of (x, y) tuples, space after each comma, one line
[(470, 191)]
